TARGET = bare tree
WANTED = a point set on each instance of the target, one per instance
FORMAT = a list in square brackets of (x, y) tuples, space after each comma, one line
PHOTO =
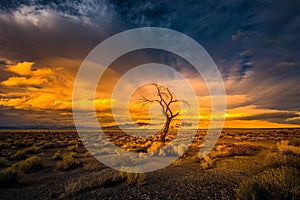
[(165, 99)]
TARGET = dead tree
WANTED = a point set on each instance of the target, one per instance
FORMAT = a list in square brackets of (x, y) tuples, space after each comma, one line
[(165, 99)]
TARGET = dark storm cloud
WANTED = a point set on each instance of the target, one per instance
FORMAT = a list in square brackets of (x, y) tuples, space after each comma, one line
[(3, 62), (268, 30), (280, 117), (11, 117), (39, 29), (248, 40)]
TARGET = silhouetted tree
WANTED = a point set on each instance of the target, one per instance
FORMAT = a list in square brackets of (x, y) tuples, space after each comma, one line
[(165, 99)]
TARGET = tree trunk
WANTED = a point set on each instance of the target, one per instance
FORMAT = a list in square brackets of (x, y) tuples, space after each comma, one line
[(166, 129)]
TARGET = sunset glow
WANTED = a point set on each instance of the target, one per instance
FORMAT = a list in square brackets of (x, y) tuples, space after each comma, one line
[(48, 91), (38, 73)]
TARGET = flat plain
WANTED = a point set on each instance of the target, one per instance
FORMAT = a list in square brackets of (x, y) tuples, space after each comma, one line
[(55, 164)]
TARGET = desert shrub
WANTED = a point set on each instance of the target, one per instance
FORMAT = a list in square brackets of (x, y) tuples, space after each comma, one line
[(68, 162), (135, 178), (19, 155), (73, 187), (275, 160), (73, 142), (61, 144), (276, 184), (243, 150), (284, 147), (73, 148), (5, 145), (72, 153), (22, 154), (196, 159), (3, 162), (8, 178), (57, 155), (206, 162), (155, 146), (177, 163), (87, 154), (25, 166), (219, 154), (237, 149), (48, 145), (33, 150), (228, 150)]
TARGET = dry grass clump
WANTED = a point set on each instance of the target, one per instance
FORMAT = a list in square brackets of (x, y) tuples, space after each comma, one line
[(240, 149), (226, 150), (22, 154), (284, 148), (235, 149), (276, 184), (73, 148), (48, 145), (26, 166), (281, 180), (177, 163), (32, 150), (207, 163), (287, 155), (73, 142), (68, 162), (275, 160), (57, 155), (196, 158), (5, 145), (73, 187), (19, 155), (135, 178), (87, 154), (155, 146)]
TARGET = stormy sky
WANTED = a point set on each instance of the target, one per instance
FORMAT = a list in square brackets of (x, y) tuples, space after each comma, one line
[(255, 45)]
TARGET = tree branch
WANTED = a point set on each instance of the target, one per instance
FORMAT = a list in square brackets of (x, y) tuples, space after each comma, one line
[(165, 99)]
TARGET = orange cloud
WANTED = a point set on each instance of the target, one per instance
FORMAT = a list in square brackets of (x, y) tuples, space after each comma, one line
[(23, 68), (54, 94), (54, 91), (15, 81), (13, 102), (256, 124)]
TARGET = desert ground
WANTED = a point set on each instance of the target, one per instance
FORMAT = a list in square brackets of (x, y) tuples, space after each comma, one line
[(244, 164)]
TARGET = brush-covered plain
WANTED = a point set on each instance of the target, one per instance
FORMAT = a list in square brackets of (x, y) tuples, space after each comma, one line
[(244, 164)]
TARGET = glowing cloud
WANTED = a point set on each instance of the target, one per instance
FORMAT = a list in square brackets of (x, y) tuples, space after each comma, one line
[(23, 68), (38, 89), (14, 81)]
